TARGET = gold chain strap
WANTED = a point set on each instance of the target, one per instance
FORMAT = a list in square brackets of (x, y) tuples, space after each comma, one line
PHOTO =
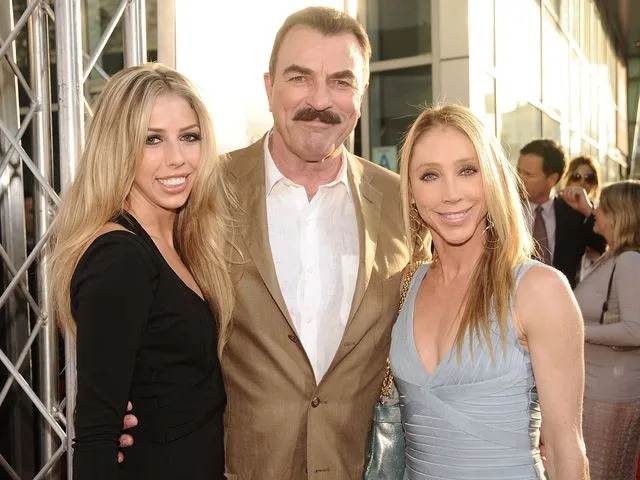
[(387, 382)]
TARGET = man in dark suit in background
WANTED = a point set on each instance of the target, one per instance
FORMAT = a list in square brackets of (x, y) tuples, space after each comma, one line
[(562, 225)]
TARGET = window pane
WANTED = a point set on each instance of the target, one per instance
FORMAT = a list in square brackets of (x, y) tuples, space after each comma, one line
[(585, 99), (555, 69), (518, 47), (575, 19), (483, 99), (551, 128), (574, 92), (399, 29), (481, 32), (395, 98), (519, 126)]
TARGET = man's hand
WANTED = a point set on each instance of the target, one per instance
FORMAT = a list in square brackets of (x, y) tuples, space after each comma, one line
[(126, 440), (576, 198)]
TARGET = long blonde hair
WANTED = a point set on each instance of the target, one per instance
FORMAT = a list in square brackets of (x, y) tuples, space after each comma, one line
[(104, 178), (622, 201), (507, 239)]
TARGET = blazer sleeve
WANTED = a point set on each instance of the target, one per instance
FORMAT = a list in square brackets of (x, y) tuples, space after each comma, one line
[(626, 332), (111, 296), (591, 238)]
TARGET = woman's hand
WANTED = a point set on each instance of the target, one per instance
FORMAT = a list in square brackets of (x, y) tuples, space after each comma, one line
[(126, 440), (577, 198)]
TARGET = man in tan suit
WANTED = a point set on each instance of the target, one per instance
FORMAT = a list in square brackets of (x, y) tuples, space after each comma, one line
[(302, 381), (319, 260)]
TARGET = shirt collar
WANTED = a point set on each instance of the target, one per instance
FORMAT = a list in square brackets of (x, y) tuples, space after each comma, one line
[(546, 206), (273, 176)]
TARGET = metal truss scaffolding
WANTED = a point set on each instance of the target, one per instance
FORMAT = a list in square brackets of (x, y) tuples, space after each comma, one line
[(35, 410)]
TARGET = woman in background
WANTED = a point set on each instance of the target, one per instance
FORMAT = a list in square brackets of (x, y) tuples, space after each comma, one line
[(137, 271), (473, 332), (583, 173), (609, 297)]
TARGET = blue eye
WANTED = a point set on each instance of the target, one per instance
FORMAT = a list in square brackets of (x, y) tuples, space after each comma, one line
[(468, 171), (429, 177), (191, 137), (152, 140)]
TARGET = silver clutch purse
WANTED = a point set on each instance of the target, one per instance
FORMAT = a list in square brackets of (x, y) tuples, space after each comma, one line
[(385, 452)]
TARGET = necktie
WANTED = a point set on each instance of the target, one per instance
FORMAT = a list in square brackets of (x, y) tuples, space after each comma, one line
[(540, 236)]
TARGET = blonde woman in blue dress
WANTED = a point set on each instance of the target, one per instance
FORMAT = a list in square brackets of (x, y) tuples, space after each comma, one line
[(488, 342)]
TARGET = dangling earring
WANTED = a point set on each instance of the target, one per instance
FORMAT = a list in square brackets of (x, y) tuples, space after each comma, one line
[(415, 220), (489, 233), (489, 222)]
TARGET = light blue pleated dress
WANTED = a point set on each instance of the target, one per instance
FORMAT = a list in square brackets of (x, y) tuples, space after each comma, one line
[(470, 419)]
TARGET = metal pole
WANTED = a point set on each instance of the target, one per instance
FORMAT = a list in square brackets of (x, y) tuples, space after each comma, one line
[(42, 155), (135, 33), (104, 39), (71, 136), (18, 431), (70, 87)]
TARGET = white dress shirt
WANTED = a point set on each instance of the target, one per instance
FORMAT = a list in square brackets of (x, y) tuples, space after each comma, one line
[(316, 253), (549, 217)]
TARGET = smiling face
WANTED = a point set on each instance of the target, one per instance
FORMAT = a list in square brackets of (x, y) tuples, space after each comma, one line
[(315, 93), (446, 186), (166, 172)]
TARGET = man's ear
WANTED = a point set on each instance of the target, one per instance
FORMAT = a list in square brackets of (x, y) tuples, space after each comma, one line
[(268, 87), (554, 178)]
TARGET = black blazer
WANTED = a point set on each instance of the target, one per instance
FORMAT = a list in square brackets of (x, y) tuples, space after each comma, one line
[(574, 232)]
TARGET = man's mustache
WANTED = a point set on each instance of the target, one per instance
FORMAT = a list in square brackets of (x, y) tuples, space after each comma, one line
[(310, 114)]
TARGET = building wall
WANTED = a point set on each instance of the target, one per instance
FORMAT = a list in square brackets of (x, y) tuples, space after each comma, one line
[(527, 68)]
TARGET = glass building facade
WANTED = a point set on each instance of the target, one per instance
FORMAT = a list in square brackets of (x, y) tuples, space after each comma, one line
[(527, 68)]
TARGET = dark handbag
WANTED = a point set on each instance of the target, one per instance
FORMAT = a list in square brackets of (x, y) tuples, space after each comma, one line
[(385, 451)]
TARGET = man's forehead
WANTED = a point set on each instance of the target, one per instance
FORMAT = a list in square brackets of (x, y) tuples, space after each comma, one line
[(530, 160), (310, 48)]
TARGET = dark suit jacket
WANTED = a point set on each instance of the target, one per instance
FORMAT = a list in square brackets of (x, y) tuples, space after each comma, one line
[(280, 423), (574, 232)]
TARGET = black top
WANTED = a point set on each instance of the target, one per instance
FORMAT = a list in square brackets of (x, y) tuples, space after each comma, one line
[(144, 336), (574, 232)]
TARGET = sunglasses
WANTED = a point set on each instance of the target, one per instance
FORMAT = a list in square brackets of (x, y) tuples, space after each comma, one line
[(589, 178)]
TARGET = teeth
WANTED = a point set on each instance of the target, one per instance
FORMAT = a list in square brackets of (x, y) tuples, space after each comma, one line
[(455, 216), (172, 182)]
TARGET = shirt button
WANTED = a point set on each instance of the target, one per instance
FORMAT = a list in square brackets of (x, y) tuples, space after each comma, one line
[(315, 402), (293, 338)]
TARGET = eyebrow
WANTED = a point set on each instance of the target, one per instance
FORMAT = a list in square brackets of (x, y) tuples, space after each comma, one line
[(297, 69), (343, 75), (159, 130), (457, 162)]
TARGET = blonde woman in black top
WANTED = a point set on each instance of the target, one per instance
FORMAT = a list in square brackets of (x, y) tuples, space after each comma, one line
[(138, 275)]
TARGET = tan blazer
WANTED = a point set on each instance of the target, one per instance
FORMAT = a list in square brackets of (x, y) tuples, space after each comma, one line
[(279, 424)]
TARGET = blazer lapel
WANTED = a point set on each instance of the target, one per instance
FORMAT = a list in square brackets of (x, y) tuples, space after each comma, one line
[(368, 202), (248, 168), (561, 234)]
